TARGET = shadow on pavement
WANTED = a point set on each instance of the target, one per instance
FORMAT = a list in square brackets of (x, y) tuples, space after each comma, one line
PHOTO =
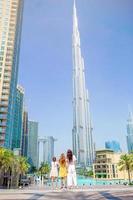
[(107, 195), (66, 196), (36, 196)]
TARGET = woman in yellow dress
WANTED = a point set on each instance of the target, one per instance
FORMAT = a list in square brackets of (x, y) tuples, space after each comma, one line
[(63, 171)]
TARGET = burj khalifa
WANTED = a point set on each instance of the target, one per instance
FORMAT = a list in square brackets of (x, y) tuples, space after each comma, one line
[(83, 147)]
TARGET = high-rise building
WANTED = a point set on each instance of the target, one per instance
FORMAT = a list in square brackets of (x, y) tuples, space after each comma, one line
[(106, 165), (10, 35), (130, 132), (24, 148), (82, 129), (18, 119), (47, 149), (33, 143), (113, 145)]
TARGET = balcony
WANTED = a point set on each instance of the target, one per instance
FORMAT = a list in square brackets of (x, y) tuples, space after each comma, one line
[(3, 116), (102, 160), (4, 103), (5, 92), (2, 136), (8, 70), (4, 97), (3, 110), (101, 169), (6, 86), (7, 80), (7, 74), (3, 124)]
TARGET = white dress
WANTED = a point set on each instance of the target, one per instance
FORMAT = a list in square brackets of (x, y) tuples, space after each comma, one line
[(71, 176), (54, 169)]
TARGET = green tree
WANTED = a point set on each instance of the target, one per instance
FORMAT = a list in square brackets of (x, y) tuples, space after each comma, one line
[(90, 173), (11, 166), (22, 165), (33, 169), (44, 169), (6, 165), (126, 163)]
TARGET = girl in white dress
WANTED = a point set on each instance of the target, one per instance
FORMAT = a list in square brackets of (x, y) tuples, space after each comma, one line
[(71, 175), (54, 171)]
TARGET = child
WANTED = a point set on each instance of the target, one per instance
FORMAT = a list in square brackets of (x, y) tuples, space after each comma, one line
[(63, 170), (54, 171), (71, 176)]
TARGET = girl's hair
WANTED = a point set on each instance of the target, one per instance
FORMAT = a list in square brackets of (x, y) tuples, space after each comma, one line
[(69, 155), (62, 159), (54, 159)]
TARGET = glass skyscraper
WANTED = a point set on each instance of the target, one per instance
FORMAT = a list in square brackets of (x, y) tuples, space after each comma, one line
[(130, 133), (24, 148), (10, 35), (18, 119), (113, 145), (33, 143)]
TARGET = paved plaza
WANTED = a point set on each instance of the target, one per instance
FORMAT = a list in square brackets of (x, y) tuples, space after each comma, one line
[(90, 193)]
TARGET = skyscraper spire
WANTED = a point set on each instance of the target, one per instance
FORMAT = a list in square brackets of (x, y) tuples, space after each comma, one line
[(82, 130), (130, 116)]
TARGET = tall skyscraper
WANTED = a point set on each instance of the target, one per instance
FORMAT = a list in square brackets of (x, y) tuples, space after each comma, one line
[(113, 145), (82, 129), (33, 143), (18, 119), (130, 132), (10, 34), (24, 149)]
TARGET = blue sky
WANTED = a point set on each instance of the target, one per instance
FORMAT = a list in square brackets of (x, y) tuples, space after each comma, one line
[(106, 30)]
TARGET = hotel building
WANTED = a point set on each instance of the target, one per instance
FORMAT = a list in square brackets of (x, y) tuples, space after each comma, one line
[(10, 35), (106, 165)]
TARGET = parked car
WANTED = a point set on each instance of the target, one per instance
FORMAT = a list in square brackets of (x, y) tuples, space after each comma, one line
[(25, 181)]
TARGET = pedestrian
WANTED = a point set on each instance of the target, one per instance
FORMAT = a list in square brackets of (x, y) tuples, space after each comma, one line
[(71, 168), (54, 172), (63, 171)]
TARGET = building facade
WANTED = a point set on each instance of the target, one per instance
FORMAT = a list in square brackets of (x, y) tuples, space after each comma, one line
[(18, 119), (47, 144), (83, 147), (106, 165), (24, 148), (113, 145), (10, 35), (33, 143), (130, 133)]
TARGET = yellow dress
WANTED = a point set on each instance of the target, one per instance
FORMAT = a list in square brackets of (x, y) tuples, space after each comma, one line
[(63, 171)]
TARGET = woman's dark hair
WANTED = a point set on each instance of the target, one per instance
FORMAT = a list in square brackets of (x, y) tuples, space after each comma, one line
[(54, 159), (69, 155)]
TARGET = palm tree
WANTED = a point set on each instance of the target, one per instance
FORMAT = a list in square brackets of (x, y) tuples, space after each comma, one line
[(11, 167), (22, 166), (2, 151), (33, 169), (44, 169), (126, 163), (6, 162)]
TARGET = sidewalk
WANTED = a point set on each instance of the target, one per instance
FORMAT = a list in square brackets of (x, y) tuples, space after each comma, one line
[(39, 192)]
